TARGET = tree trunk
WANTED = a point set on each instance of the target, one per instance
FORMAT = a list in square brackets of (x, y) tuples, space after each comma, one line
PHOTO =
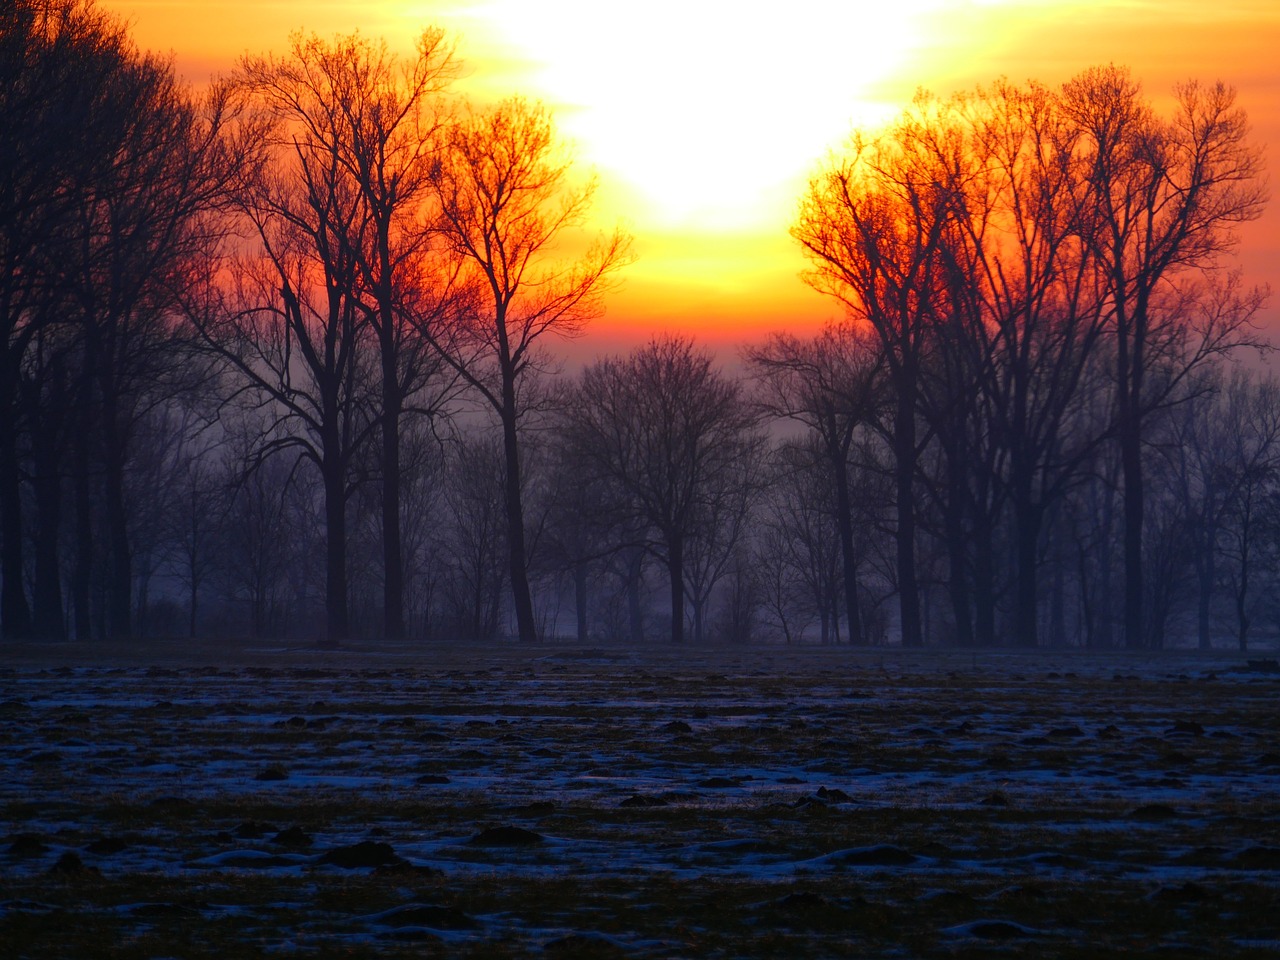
[(392, 552), (47, 593), (1131, 460), (115, 510), (675, 566), (1242, 591), (904, 441), (521, 596), (15, 614), (958, 539), (1130, 360), (984, 589), (1026, 620), (580, 599), (193, 599), (337, 621), (82, 571), (1205, 572), (848, 556), (635, 612), (120, 563)]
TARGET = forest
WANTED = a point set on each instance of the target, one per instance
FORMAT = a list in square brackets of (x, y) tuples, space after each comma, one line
[(285, 357)]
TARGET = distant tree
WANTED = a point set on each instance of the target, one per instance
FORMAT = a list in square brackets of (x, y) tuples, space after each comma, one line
[(743, 598), (831, 383), (800, 548), (424, 468), (475, 542), (668, 428), (506, 203), (582, 528), (728, 512), (260, 542), (1224, 459), (1161, 198), (196, 523)]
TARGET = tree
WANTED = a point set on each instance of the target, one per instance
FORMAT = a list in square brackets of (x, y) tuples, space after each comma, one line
[(289, 319), (110, 169), (141, 242), (1224, 455), (56, 60), (582, 529), (1025, 277), (1161, 198), (473, 589), (875, 224), (830, 384), (667, 427), (800, 549), (380, 120), (728, 510), (506, 201), (194, 522), (261, 547)]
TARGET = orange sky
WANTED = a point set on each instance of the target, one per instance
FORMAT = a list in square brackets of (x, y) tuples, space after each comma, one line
[(703, 118)]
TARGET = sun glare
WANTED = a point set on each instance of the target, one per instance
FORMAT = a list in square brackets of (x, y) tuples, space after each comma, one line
[(704, 114), (705, 118)]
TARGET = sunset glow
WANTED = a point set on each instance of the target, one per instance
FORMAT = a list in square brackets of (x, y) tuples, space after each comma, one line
[(703, 118)]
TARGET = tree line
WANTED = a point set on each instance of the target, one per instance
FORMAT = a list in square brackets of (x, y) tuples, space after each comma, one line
[(277, 360)]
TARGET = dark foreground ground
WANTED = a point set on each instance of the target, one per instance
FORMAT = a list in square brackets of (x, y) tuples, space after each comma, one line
[(563, 802)]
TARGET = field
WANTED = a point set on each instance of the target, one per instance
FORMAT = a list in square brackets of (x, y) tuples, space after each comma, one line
[(562, 802)]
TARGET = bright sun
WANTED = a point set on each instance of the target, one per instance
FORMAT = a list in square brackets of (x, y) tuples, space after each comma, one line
[(704, 113)]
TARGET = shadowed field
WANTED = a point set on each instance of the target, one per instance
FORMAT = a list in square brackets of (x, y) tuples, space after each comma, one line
[(567, 802)]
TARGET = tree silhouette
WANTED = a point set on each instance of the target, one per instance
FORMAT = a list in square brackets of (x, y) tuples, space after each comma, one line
[(1162, 197), (875, 223), (668, 428), (506, 201), (288, 315), (830, 384), (112, 171), (380, 120)]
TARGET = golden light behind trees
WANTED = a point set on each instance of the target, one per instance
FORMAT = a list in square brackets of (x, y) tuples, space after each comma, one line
[(1025, 241)]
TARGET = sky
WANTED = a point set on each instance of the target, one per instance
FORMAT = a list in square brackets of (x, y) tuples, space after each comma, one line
[(703, 119)]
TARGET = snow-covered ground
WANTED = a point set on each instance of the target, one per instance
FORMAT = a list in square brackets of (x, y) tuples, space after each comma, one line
[(505, 799)]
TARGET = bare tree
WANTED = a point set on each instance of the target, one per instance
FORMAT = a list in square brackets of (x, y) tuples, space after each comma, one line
[(875, 223), (261, 546), (829, 383), (380, 119), (112, 169), (1035, 320), (56, 65), (1161, 199), (506, 202), (800, 548), (1224, 455), (289, 319), (195, 524), (583, 528), (475, 578), (666, 426), (728, 510)]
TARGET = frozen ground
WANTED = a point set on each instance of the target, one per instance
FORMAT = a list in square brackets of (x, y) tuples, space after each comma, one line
[(228, 802)]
